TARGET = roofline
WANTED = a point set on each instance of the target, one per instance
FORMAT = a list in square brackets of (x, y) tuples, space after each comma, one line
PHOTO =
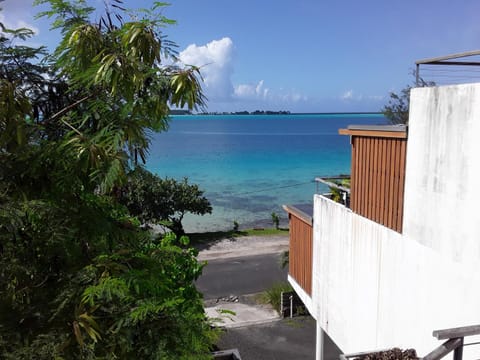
[(385, 131)]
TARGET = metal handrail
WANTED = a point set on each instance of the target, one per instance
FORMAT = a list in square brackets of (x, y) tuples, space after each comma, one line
[(455, 342), (326, 181), (455, 345), (344, 191)]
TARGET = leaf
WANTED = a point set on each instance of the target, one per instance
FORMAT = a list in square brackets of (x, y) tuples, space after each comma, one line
[(90, 326), (77, 333), (184, 240)]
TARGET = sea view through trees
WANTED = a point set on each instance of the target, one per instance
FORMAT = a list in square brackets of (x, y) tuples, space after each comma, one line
[(250, 165)]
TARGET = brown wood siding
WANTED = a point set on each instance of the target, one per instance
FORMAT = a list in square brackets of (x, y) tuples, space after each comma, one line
[(301, 251), (378, 179)]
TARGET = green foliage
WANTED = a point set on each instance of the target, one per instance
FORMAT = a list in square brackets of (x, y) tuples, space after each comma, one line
[(15, 87), (284, 259), (275, 220), (273, 295), (398, 106), (79, 278), (338, 194), (166, 201), (145, 294), (119, 88), (236, 225)]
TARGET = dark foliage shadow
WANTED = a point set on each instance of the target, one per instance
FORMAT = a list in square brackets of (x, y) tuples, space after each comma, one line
[(205, 240)]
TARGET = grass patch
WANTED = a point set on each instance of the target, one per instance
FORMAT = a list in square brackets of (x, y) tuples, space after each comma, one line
[(294, 323), (273, 295)]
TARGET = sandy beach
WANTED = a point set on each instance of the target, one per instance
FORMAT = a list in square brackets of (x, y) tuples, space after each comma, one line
[(245, 246)]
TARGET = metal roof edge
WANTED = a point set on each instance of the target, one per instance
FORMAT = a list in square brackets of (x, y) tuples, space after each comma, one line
[(397, 128)]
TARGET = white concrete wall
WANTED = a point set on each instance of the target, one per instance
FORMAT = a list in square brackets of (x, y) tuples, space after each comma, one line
[(442, 185), (374, 288)]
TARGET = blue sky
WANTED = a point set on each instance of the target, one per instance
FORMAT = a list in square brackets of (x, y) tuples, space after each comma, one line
[(303, 55)]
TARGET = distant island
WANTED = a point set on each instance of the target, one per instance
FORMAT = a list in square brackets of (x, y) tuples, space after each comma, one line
[(256, 112), (261, 112), (270, 112), (180, 112)]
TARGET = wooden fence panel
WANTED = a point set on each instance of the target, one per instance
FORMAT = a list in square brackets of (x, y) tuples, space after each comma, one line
[(378, 179), (301, 252)]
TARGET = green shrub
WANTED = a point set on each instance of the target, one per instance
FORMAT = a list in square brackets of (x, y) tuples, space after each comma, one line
[(275, 220), (273, 295)]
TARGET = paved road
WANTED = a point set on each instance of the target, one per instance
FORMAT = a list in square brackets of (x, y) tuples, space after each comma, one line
[(282, 340), (240, 276), (278, 340), (287, 339)]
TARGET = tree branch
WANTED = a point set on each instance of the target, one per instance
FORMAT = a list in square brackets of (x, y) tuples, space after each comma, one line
[(67, 109)]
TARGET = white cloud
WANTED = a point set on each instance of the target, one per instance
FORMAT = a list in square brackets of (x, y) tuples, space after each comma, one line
[(216, 62), (351, 96), (347, 95), (18, 14), (252, 91), (294, 97)]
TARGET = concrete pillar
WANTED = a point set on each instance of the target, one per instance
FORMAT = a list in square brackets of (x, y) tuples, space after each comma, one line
[(320, 350)]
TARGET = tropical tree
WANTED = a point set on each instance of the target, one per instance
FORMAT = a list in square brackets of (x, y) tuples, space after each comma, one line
[(79, 277), (154, 200), (397, 109)]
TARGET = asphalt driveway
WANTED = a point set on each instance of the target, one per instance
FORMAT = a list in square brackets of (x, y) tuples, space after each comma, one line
[(250, 265), (279, 340)]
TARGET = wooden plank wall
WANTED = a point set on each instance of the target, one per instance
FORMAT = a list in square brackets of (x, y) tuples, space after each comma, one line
[(301, 252), (378, 179)]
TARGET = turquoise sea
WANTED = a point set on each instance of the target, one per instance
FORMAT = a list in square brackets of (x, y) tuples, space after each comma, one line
[(250, 165)]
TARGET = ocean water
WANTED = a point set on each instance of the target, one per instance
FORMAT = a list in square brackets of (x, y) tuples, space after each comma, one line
[(250, 165)]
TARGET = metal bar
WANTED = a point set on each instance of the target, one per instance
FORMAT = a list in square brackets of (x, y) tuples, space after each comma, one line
[(458, 63), (291, 312), (457, 332), (341, 176), (448, 57), (444, 349), (332, 184), (458, 352), (282, 305), (417, 74), (471, 344)]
